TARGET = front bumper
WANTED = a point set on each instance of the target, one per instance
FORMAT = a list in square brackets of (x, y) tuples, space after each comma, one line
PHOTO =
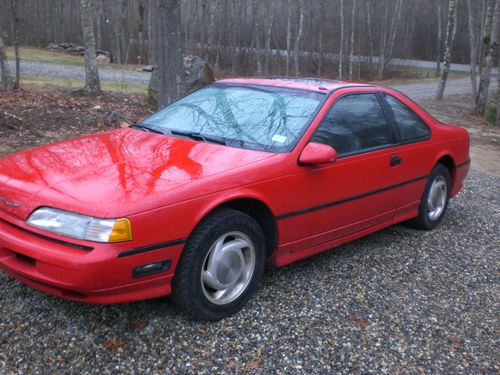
[(96, 276)]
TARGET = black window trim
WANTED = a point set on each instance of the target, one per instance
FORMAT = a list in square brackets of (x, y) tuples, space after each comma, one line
[(392, 129), (394, 124)]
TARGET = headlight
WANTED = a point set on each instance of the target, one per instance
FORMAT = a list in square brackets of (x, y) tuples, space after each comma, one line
[(80, 226)]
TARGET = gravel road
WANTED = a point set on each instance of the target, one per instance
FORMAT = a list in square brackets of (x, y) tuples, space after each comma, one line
[(397, 301), (416, 91), (427, 88), (41, 69)]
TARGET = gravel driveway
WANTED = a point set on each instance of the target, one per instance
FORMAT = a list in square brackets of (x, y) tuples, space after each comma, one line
[(397, 301)]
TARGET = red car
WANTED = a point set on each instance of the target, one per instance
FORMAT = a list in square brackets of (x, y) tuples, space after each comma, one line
[(193, 200)]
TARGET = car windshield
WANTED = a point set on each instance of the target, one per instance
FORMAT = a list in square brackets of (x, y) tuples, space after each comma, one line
[(254, 117)]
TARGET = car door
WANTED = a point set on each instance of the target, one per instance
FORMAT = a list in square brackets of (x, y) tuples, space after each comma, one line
[(414, 152), (360, 189)]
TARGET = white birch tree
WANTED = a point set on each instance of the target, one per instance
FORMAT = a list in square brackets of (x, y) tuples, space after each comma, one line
[(298, 38), (450, 37)]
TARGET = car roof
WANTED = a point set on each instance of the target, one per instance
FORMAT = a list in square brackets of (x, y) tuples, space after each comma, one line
[(302, 83)]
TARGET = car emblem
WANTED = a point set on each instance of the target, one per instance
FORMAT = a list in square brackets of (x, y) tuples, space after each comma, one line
[(10, 204)]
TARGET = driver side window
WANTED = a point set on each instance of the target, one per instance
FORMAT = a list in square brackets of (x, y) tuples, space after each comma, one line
[(354, 123)]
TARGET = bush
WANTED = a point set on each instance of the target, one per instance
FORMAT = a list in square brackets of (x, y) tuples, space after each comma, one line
[(491, 114)]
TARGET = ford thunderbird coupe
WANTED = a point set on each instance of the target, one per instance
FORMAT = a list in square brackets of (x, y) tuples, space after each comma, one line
[(194, 200)]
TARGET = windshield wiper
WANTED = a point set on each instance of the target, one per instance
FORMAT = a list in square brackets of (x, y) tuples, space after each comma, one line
[(146, 129), (199, 137)]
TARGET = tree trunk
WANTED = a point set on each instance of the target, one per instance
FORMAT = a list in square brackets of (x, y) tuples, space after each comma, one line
[(15, 21), (351, 45), (370, 37), (491, 46), (288, 37), (170, 59), (342, 35), (490, 39), (383, 42), (498, 97), (394, 28), (473, 48), (256, 37), (92, 82), (269, 33), (298, 39), (439, 39), (450, 36), (213, 7), (4, 67), (482, 32), (320, 42)]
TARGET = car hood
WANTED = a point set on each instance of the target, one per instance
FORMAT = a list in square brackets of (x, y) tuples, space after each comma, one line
[(116, 173)]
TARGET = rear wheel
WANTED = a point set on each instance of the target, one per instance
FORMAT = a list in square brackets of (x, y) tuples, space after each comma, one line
[(435, 199), (220, 267)]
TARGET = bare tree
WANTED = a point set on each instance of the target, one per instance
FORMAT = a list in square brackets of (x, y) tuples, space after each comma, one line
[(270, 22), (4, 66), (170, 60), (298, 38), (288, 37), (450, 37), (351, 43), (213, 7), (342, 35), (439, 43), (490, 40), (256, 37), (370, 36), (92, 82), (473, 47), (15, 21), (320, 37)]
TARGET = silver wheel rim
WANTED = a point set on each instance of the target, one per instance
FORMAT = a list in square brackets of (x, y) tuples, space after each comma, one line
[(228, 268), (436, 199)]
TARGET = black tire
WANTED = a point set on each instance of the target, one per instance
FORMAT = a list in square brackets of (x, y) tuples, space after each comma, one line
[(188, 293), (423, 220)]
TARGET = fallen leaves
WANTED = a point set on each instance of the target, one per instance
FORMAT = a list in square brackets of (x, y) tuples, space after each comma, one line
[(30, 117), (113, 345), (360, 321)]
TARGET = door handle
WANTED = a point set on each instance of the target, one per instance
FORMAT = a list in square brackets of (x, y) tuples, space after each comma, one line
[(395, 160)]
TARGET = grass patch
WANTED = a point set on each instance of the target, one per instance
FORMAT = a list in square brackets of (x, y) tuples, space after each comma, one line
[(41, 55), (66, 83)]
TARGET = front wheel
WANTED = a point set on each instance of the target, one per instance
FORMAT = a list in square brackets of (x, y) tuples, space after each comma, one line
[(435, 199), (220, 267)]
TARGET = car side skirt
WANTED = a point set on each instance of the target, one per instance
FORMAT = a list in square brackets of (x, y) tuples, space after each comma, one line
[(285, 255)]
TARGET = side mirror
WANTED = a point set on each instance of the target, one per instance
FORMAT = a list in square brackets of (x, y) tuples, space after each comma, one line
[(317, 153)]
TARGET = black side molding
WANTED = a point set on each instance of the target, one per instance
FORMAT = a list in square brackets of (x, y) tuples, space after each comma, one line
[(145, 249), (348, 199), (463, 164)]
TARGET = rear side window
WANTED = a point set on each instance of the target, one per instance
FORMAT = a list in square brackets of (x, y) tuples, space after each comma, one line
[(411, 127), (354, 123)]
